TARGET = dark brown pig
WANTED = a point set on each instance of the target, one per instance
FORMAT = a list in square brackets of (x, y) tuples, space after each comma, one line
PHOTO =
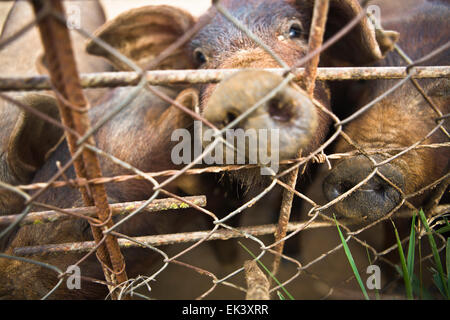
[(141, 134), (282, 25), (398, 121), (25, 143)]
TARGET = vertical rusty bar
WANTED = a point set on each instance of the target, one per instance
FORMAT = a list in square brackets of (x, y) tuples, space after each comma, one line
[(283, 219), (315, 41), (64, 76), (257, 283)]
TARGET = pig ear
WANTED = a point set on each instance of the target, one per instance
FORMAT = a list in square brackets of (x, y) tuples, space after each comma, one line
[(32, 138), (189, 99), (142, 34), (362, 45)]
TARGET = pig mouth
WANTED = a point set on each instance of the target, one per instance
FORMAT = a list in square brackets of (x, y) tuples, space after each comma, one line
[(371, 201), (283, 122)]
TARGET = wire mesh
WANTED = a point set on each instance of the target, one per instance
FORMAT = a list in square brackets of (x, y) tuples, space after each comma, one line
[(309, 274)]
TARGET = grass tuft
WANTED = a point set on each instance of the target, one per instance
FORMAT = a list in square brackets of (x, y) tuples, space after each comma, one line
[(405, 270), (351, 261), (439, 277)]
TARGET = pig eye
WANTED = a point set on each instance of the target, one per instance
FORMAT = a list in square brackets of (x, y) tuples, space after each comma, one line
[(199, 56), (295, 30)]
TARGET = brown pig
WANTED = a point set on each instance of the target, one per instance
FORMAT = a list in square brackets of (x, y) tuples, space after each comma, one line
[(141, 134), (397, 121), (282, 25)]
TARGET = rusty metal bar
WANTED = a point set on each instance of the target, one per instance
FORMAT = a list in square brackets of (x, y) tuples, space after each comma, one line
[(167, 239), (187, 237), (116, 209), (257, 283), (161, 77), (283, 219), (315, 41), (64, 76)]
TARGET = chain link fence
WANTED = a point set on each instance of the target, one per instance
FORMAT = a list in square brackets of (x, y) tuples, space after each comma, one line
[(187, 266)]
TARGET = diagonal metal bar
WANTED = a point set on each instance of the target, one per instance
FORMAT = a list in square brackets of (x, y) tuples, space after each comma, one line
[(315, 41)]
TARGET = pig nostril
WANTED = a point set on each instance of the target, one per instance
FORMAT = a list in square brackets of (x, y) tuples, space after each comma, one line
[(385, 191), (279, 111), (343, 187), (380, 188), (230, 117)]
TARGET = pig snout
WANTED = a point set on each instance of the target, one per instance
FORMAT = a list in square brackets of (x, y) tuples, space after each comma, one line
[(289, 113), (370, 201)]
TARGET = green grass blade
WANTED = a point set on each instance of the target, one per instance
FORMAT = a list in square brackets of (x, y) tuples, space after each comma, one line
[(267, 270), (447, 259), (411, 248), (280, 295), (437, 259), (444, 229), (352, 262), (418, 290), (406, 277), (416, 286), (437, 281)]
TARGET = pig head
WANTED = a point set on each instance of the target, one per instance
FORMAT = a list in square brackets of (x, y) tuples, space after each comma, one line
[(398, 121), (141, 34)]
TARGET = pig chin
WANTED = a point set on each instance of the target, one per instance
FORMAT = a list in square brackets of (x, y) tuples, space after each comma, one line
[(258, 176), (249, 179)]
